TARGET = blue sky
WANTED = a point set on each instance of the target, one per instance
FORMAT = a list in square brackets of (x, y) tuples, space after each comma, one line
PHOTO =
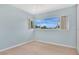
[(49, 22)]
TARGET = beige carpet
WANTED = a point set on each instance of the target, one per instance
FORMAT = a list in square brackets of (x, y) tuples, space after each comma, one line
[(37, 48)]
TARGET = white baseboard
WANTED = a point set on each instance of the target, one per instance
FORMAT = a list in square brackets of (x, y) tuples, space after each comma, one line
[(53, 43), (17, 45), (20, 44)]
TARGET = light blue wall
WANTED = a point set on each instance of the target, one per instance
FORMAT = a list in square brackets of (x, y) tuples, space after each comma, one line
[(14, 31), (56, 36), (13, 26)]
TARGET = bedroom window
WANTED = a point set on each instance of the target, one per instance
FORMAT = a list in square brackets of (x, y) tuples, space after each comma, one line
[(59, 23)]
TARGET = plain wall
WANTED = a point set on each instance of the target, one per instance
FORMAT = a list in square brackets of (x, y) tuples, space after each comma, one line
[(78, 28), (59, 36), (13, 26)]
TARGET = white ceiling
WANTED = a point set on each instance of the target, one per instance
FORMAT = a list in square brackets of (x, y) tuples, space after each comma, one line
[(41, 8)]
